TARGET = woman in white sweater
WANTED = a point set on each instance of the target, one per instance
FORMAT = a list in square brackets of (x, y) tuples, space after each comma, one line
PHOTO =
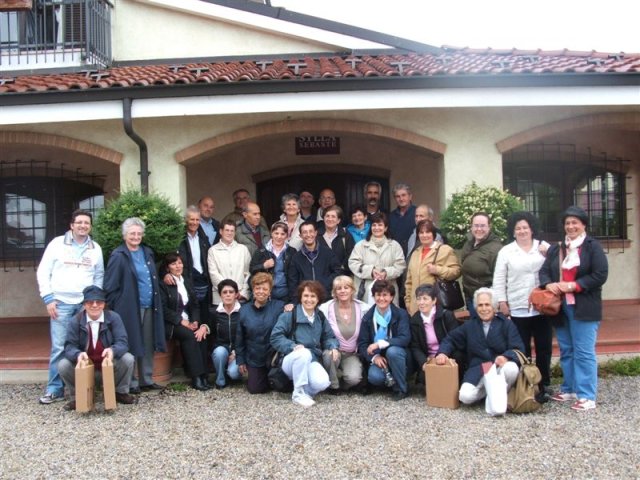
[(376, 258), (514, 277)]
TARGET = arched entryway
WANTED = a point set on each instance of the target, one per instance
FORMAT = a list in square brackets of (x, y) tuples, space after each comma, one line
[(346, 181), (253, 157)]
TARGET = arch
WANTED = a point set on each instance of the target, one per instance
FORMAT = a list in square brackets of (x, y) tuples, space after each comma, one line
[(622, 120), (197, 151), (59, 141)]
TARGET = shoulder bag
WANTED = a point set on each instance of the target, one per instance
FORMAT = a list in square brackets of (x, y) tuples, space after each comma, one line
[(449, 292), (278, 380)]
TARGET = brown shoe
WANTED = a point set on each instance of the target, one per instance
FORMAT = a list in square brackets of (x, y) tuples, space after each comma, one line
[(126, 398), (70, 405)]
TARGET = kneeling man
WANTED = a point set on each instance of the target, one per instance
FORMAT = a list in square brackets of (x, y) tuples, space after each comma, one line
[(97, 334), (488, 337)]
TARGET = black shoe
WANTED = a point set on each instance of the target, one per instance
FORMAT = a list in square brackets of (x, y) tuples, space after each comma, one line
[(153, 386), (221, 387), (126, 398), (334, 391), (205, 380), (135, 391), (198, 385), (399, 396)]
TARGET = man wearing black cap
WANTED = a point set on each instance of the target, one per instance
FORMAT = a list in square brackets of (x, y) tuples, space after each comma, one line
[(95, 334)]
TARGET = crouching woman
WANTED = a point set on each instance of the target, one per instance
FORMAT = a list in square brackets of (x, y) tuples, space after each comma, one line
[(302, 335), (487, 337)]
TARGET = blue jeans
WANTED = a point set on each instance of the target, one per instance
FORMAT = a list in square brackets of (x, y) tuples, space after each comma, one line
[(58, 332), (220, 357), (397, 362), (577, 342)]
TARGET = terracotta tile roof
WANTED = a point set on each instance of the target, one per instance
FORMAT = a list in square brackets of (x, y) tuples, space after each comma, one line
[(452, 62)]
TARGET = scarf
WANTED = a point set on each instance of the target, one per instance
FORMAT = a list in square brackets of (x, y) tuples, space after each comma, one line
[(182, 290), (378, 242), (382, 321), (572, 259)]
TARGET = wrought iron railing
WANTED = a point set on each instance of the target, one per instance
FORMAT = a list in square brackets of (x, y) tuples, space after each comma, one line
[(56, 33)]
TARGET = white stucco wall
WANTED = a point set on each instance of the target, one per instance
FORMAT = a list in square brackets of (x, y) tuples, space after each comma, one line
[(469, 134), (143, 32)]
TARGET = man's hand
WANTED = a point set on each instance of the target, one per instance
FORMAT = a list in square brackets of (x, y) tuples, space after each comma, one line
[(108, 353), (52, 310), (242, 369), (288, 307), (169, 280), (83, 357), (232, 357), (500, 360)]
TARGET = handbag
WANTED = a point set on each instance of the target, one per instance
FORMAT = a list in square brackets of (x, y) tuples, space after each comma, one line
[(522, 396), (448, 291), (278, 380), (545, 301), (496, 387)]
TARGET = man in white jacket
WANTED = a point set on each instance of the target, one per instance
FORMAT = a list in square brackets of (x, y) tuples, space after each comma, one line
[(71, 262), (229, 259)]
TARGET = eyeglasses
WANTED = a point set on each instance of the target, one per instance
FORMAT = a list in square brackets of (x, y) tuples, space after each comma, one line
[(95, 302), (82, 223), (479, 227)]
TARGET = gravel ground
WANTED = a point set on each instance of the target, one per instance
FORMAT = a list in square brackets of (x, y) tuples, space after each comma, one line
[(231, 434)]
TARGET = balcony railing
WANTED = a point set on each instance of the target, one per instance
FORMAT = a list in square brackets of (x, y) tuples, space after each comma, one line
[(56, 33)]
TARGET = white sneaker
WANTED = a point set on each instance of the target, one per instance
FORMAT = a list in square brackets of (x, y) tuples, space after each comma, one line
[(301, 398), (48, 398), (583, 405), (563, 397)]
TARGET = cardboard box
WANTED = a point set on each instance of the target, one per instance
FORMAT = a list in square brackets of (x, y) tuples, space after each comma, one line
[(108, 385), (85, 385), (441, 383)]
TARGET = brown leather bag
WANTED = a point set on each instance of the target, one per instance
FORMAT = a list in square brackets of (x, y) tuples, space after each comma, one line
[(545, 301)]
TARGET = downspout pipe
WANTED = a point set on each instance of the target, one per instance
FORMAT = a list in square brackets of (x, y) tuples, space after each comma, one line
[(144, 152)]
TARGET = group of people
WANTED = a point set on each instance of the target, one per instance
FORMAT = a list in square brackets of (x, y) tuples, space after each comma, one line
[(236, 292)]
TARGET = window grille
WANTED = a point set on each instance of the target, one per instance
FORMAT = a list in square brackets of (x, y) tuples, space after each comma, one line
[(551, 177)]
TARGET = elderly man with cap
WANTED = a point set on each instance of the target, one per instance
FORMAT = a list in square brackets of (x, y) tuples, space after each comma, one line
[(97, 334)]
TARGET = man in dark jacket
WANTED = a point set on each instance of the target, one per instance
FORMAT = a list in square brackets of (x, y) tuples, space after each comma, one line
[(96, 335), (486, 338), (383, 340), (478, 257), (208, 227), (312, 262)]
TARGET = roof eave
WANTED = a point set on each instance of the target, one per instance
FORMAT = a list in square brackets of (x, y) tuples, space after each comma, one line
[(321, 85)]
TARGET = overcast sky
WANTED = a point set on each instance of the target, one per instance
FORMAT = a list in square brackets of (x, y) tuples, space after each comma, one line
[(602, 25)]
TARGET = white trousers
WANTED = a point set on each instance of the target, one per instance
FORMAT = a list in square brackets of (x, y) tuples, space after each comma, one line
[(470, 393), (305, 373)]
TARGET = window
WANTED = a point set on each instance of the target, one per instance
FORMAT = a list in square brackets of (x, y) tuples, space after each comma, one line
[(35, 209), (551, 177)]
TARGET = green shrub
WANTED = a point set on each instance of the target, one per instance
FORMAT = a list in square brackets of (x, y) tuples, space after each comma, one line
[(626, 367), (497, 203), (164, 225)]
